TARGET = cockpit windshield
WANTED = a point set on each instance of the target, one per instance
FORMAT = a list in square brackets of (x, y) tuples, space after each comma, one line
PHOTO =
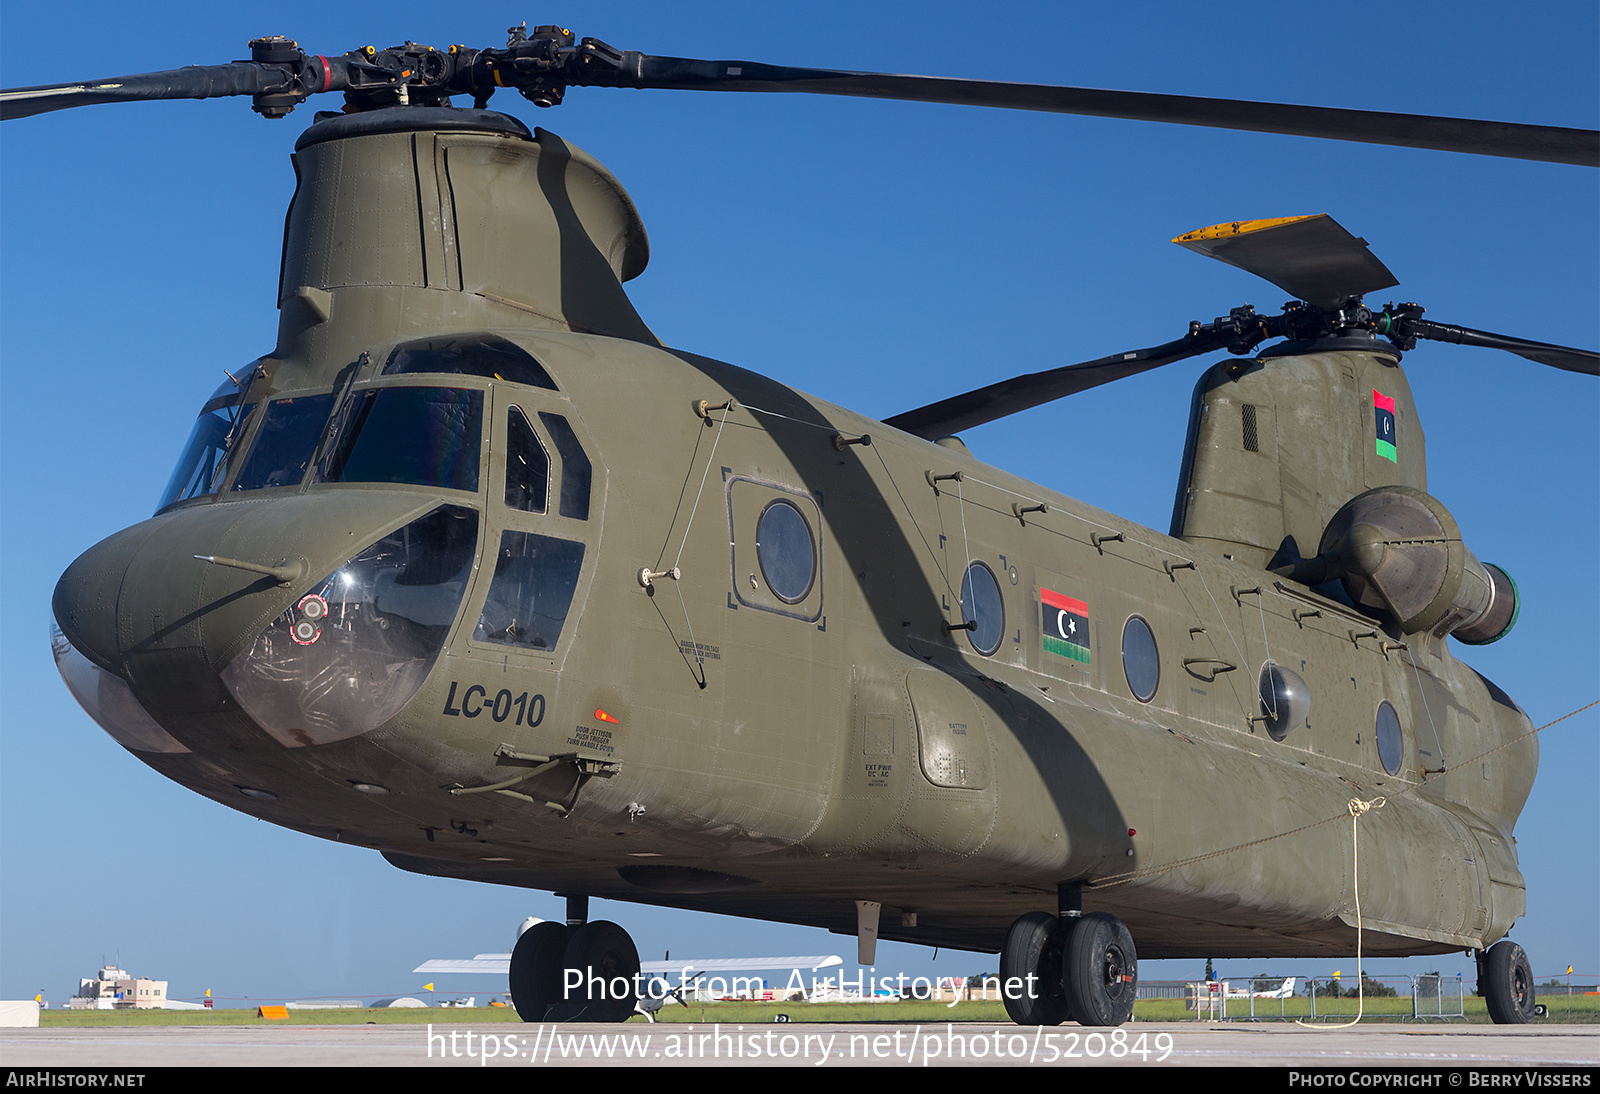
[(423, 436), (203, 465), (285, 443), (484, 355)]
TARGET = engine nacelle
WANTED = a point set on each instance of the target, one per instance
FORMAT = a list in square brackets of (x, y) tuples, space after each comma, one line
[(1398, 550)]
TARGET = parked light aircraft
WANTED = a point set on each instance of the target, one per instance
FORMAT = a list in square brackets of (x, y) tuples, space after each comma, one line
[(1282, 991)]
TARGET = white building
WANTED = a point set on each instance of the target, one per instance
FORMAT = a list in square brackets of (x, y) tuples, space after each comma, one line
[(114, 989)]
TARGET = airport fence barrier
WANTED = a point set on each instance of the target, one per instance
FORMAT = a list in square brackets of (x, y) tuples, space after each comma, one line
[(1289, 998)]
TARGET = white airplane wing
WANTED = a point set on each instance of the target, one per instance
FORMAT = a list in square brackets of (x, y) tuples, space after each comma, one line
[(501, 963), (484, 962), (739, 964)]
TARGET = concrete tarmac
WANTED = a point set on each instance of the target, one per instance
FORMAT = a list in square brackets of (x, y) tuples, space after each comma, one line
[(445, 1044)]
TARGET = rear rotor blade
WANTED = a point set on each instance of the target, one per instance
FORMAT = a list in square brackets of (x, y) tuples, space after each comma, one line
[(1562, 357), (1552, 144), (1311, 258)]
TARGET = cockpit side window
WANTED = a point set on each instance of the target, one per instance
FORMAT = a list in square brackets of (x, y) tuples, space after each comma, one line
[(285, 443), (202, 466), (527, 466), (576, 470), (534, 581), (484, 355), (423, 436)]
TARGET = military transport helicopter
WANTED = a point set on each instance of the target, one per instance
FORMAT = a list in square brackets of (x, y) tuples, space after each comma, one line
[(898, 723)]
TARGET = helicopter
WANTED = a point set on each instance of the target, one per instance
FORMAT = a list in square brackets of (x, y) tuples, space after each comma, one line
[(447, 706)]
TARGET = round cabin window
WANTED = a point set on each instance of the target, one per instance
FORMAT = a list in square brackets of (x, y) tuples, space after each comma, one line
[(1141, 664), (786, 552), (981, 605), (1388, 734)]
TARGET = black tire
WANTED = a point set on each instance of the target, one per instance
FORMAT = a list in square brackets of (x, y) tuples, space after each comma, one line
[(600, 951), (536, 970), (1506, 984), (1100, 971), (1030, 969)]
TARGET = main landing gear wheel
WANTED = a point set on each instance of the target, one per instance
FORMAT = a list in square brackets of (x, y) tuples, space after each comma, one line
[(1030, 969), (609, 963), (536, 970), (1505, 979), (1100, 971)]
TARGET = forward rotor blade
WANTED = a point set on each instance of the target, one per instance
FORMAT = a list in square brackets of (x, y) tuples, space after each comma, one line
[(198, 82), (1551, 144), (597, 65), (1562, 357), (986, 404)]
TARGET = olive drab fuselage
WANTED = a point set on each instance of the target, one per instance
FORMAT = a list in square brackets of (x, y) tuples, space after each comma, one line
[(727, 654)]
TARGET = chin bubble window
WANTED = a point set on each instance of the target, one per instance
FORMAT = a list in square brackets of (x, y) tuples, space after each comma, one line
[(347, 655)]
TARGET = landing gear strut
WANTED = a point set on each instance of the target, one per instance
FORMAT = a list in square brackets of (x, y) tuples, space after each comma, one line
[(1505, 980), (1081, 968), (578, 972)]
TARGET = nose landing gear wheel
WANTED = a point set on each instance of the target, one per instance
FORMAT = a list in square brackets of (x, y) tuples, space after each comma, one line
[(1505, 979), (1100, 971), (609, 963), (1030, 969), (536, 970)]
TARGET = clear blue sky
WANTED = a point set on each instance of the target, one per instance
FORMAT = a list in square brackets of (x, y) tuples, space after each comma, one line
[(879, 255)]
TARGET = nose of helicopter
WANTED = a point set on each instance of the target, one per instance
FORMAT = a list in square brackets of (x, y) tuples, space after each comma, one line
[(316, 616)]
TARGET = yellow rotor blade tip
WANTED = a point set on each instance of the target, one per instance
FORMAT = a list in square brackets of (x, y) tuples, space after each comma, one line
[(1239, 228)]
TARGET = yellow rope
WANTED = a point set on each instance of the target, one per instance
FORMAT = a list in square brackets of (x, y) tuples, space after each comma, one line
[(1357, 807)]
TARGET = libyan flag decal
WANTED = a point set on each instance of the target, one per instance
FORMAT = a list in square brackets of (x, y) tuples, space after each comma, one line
[(1066, 625), (1383, 408)]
